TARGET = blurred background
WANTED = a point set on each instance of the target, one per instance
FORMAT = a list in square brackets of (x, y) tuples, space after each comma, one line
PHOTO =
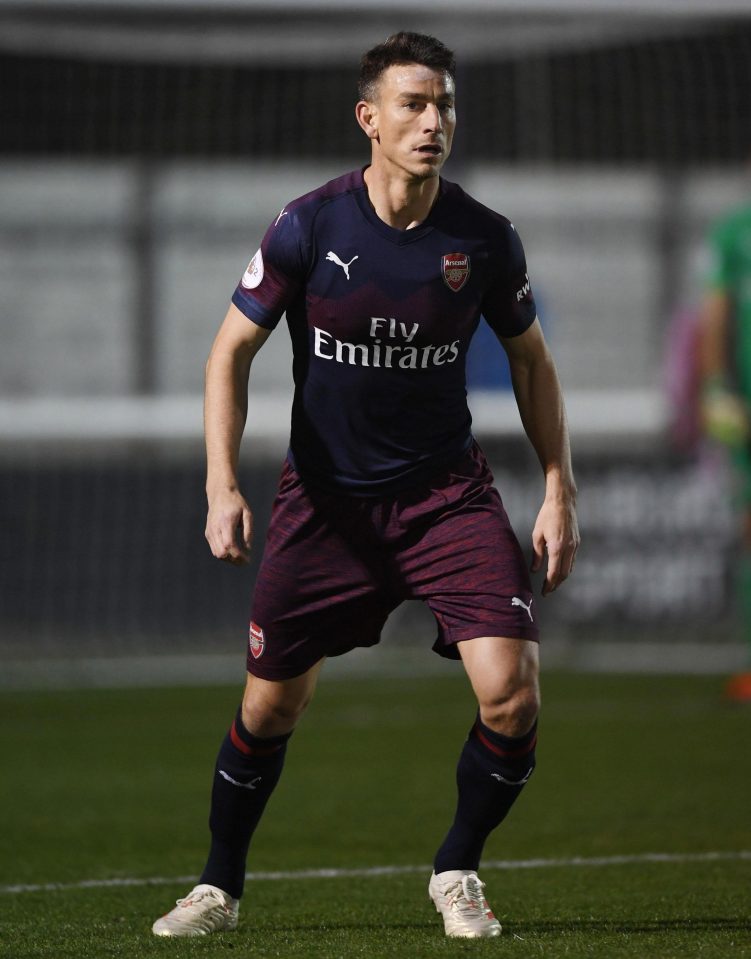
[(144, 149)]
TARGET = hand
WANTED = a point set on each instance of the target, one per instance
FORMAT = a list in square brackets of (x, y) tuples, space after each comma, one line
[(725, 416), (557, 532), (229, 515)]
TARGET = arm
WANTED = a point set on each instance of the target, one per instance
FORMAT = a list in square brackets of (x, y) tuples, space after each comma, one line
[(540, 402), (714, 333), (225, 412), (723, 413)]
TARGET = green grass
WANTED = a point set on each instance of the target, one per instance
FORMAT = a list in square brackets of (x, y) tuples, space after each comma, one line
[(100, 785)]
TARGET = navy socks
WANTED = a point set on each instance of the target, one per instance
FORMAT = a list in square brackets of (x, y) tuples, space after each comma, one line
[(247, 770), (491, 772)]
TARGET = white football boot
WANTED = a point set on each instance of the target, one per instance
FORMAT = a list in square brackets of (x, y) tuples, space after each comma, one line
[(205, 909), (457, 895)]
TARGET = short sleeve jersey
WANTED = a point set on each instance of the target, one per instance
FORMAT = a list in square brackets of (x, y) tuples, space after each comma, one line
[(730, 273), (380, 321)]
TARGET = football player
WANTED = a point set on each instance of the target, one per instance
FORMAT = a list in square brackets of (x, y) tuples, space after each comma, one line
[(385, 495)]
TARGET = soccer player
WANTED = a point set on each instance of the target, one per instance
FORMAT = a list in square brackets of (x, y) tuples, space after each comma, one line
[(385, 496), (725, 362)]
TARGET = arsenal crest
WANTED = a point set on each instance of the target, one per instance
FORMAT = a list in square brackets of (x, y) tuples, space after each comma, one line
[(455, 269), (256, 641)]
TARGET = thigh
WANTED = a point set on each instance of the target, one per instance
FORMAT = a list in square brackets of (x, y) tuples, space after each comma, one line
[(498, 667), (319, 590), (274, 708), (504, 674), (468, 566)]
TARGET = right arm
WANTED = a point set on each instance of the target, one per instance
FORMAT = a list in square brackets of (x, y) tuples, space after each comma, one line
[(225, 412), (714, 336), (723, 412)]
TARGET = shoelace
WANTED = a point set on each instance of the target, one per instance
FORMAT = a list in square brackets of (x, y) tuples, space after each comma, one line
[(466, 897), (203, 894)]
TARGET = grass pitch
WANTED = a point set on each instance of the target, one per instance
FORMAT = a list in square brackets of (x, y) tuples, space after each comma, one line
[(103, 786)]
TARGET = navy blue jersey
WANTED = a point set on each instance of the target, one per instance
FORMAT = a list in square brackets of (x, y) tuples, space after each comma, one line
[(380, 321)]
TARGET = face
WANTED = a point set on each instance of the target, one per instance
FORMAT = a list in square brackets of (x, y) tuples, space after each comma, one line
[(412, 119)]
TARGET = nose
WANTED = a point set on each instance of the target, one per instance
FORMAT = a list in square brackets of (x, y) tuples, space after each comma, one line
[(433, 119)]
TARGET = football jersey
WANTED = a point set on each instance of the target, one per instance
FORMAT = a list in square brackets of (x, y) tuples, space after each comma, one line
[(380, 321), (730, 273)]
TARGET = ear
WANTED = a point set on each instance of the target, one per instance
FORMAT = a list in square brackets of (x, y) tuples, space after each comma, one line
[(367, 117)]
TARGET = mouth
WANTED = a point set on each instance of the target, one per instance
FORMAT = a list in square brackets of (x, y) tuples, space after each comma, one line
[(430, 149)]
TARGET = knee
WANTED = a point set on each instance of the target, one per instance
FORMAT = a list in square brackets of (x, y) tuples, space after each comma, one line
[(273, 712), (511, 711)]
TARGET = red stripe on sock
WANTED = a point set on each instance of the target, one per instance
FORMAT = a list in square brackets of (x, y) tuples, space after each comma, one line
[(504, 753), (238, 743), (247, 750)]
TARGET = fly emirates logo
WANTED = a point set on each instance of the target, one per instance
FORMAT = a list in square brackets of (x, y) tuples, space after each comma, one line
[(390, 347)]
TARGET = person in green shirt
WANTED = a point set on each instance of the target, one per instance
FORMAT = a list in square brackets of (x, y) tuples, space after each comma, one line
[(725, 367)]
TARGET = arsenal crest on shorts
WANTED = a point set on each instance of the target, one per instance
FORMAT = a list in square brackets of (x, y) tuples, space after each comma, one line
[(455, 269), (256, 641)]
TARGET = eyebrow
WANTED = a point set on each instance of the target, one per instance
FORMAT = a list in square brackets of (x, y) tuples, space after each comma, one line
[(423, 96)]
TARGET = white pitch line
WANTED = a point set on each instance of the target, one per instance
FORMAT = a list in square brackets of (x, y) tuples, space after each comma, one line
[(378, 871)]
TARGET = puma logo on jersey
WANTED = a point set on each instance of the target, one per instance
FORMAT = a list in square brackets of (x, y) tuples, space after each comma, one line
[(335, 259), (517, 602)]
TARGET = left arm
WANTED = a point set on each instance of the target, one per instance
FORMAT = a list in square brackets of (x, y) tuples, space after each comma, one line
[(540, 401), (724, 414)]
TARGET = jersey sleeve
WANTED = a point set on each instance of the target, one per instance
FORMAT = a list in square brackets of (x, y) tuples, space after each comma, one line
[(509, 305), (275, 274)]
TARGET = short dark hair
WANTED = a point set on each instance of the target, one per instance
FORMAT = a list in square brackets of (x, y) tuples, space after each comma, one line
[(402, 47)]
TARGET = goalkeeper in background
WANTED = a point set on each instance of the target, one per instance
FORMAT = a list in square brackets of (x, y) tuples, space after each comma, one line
[(725, 364)]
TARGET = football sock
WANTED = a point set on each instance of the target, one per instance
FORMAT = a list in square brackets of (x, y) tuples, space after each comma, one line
[(491, 772), (247, 770)]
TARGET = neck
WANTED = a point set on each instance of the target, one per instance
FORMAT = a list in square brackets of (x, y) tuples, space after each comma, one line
[(400, 202)]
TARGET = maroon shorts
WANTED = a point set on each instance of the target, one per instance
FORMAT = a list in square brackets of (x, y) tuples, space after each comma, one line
[(335, 566)]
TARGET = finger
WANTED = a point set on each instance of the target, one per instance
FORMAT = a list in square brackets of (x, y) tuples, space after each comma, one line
[(247, 522), (221, 539), (538, 551), (553, 576), (232, 553), (222, 546), (235, 558), (564, 565), (571, 551), (215, 544), (558, 566)]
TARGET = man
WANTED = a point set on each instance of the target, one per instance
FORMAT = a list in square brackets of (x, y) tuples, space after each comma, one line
[(725, 371), (383, 275)]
